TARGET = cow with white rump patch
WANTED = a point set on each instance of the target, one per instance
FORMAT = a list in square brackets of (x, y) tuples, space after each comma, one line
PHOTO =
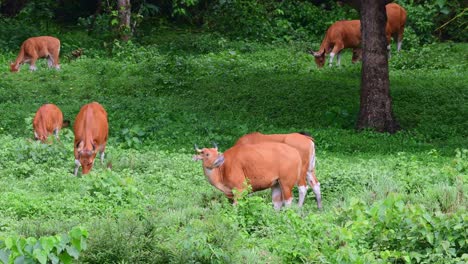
[(91, 132), (38, 47), (305, 145), (264, 165)]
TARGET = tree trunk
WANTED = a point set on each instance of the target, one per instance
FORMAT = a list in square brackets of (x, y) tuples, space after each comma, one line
[(376, 104), (124, 19)]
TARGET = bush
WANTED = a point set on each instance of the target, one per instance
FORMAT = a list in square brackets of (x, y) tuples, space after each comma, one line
[(50, 249)]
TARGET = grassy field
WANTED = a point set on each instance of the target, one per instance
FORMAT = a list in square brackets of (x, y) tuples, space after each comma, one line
[(387, 198)]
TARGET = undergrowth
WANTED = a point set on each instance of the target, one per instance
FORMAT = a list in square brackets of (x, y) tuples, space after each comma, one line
[(387, 198)]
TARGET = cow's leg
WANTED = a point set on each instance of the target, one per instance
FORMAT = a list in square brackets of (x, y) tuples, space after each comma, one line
[(101, 153), (336, 50), (287, 194), (332, 55), (77, 165), (55, 58), (400, 39), (338, 59), (56, 130), (50, 62), (101, 156), (302, 194), (32, 64), (276, 196)]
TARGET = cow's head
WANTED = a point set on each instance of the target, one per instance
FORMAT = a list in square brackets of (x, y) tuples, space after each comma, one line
[(14, 67), (210, 157), (85, 157), (357, 55), (319, 57)]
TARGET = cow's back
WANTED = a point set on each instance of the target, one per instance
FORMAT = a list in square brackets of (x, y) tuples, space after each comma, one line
[(91, 121), (43, 45), (48, 117), (346, 31), (298, 141), (262, 162), (396, 17)]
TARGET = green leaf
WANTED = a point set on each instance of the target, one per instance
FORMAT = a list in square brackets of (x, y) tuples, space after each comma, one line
[(48, 243), (53, 258), (9, 242), (5, 255), (72, 251), (430, 238), (40, 255), (65, 258)]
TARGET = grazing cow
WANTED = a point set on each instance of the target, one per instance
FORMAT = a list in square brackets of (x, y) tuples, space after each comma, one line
[(91, 131), (35, 48), (396, 20), (48, 120), (340, 35), (304, 144), (347, 34), (264, 165)]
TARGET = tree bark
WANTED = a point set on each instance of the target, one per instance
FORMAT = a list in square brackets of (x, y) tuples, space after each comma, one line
[(376, 103), (124, 19)]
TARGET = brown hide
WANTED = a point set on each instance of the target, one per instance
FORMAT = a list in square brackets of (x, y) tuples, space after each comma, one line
[(347, 34), (306, 148), (91, 132), (303, 144), (48, 119), (35, 48), (264, 165), (340, 35), (396, 20)]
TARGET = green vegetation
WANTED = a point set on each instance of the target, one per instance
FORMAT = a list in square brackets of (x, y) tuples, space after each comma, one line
[(387, 198)]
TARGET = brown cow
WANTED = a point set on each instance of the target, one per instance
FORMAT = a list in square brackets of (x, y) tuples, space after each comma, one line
[(396, 20), (35, 48), (264, 165), (347, 34), (340, 35), (48, 120), (91, 131), (304, 144)]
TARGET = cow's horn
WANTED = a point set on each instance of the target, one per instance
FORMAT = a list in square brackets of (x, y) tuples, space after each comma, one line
[(196, 148), (215, 145)]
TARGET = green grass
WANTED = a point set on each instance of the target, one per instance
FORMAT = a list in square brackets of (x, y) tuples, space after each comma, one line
[(176, 89)]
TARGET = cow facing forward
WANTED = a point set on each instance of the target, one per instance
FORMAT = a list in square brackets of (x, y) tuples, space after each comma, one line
[(48, 120), (91, 132), (304, 144), (265, 165), (35, 48)]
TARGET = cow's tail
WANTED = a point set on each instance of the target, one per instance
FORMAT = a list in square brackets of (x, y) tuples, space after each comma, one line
[(311, 177)]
